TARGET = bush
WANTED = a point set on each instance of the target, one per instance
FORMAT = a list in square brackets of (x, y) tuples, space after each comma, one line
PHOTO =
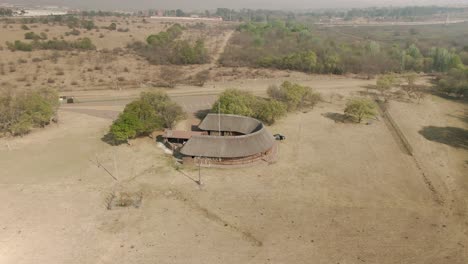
[(360, 108), (31, 35), (19, 45), (112, 26), (87, 24), (24, 27), (152, 111)]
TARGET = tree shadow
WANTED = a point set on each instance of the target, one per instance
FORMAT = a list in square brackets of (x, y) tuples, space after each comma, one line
[(452, 136), (107, 138), (338, 118)]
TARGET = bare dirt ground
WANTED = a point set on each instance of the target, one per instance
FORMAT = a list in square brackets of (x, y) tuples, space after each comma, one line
[(111, 66), (339, 193)]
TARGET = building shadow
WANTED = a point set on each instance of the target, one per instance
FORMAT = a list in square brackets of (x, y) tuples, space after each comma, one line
[(201, 114), (452, 136)]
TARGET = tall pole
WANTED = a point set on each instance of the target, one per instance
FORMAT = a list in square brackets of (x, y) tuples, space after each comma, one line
[(219, 118), (199, 171)]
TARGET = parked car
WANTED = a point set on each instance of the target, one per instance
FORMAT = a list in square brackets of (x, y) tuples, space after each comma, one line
[(279, 137)]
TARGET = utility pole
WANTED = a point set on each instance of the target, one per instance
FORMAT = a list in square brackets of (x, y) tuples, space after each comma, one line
[(199, 171), (219, 118)]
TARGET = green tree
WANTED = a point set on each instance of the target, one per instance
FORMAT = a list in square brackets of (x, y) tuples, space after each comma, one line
[(360, 108), (294, 96), (385, 83), (152, 111), (269, 110), (237, 102)]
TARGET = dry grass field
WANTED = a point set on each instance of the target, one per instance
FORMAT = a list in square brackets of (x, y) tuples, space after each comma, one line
[(338, 193)]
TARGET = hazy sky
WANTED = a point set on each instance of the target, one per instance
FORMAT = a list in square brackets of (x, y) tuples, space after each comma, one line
[(211, 4)]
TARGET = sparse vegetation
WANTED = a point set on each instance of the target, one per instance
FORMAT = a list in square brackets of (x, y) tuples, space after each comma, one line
[(164, 48)]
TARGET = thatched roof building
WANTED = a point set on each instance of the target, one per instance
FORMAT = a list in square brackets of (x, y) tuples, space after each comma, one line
[(240, 137)]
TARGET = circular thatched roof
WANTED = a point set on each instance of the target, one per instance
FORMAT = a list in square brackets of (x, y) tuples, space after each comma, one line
[(255, 139)]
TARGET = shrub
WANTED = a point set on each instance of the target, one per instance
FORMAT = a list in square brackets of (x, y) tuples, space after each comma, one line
[(31, 35), (87, 24), (112, 26), (24, 27)]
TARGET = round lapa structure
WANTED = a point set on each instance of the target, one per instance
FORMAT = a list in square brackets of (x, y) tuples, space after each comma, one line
[(229, 140)]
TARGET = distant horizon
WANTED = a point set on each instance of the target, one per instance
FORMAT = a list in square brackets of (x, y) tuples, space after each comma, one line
[(291, 5)]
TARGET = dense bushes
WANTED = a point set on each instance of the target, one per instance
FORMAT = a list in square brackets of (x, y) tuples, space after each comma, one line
[(152, 111), (454, 83), (291, 46), (164, 48), (287, 97), (80, 44), (21, 112)]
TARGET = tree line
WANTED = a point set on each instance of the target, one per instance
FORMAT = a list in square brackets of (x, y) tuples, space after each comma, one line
[(293, 46)]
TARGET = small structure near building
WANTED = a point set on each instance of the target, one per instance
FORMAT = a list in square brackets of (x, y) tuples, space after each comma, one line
[(224, 140)]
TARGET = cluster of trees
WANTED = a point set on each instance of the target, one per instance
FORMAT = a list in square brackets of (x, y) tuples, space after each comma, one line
[(152, 111), (165, 48), (80, 44), (286, 98), (21, 112), (6, 12), (291, 46)]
